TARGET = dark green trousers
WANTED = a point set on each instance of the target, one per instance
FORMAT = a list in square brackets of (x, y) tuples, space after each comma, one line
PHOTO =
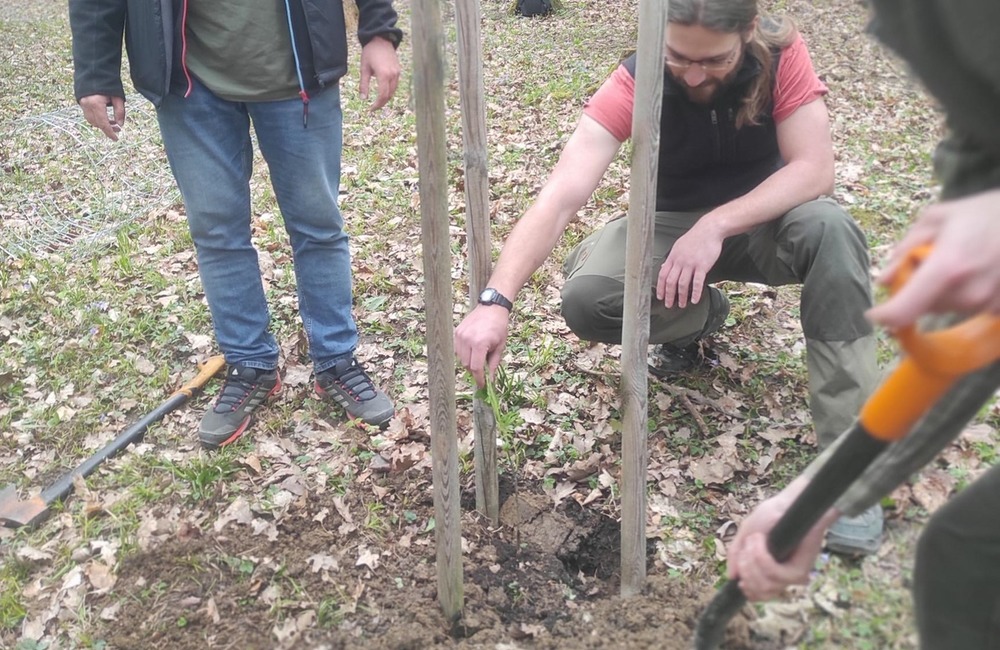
[(817, 245), (957, 576)]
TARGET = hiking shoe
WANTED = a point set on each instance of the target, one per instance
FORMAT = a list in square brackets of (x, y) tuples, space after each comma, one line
[(860, 535), (684, 354), (668, 359), (348, 385), (245, 389)]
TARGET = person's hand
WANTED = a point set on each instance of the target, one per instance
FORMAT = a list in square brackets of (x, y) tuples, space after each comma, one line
[(961, 274), (480, 340), (95, 111), (684, 271), (749, 562), (379, 60)]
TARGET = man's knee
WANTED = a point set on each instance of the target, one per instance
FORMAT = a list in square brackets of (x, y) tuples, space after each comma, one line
[(592, 307), (823, 224)]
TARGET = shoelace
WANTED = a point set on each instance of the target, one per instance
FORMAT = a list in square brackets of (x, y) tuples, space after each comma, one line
[(356, 381), (235, 390)]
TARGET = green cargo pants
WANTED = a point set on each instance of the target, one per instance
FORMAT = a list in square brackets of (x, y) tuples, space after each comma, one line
[(817, 245)]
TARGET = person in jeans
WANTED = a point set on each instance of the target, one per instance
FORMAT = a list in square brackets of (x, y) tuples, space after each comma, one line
[(211, 68), (950, 45), (744, 176)]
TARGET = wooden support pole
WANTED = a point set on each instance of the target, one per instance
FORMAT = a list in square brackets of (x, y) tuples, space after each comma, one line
[(477, 228), (638, 280), (428, 88)]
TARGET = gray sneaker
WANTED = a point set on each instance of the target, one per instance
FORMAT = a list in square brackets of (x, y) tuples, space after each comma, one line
[(348, 385), (245, 390), (860, 535)]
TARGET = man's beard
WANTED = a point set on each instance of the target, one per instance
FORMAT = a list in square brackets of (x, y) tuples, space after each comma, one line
[(708, 89), (711, 87)]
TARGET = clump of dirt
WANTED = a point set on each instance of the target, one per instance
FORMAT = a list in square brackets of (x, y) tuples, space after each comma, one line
[(546, 578)]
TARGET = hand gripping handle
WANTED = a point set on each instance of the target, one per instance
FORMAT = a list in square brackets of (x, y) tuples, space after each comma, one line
[(934, 360)]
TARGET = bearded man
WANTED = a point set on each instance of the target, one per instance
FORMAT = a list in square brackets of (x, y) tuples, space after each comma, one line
[(743, 190)]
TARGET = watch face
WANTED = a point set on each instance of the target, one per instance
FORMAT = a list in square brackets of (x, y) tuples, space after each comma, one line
[(487, 295)]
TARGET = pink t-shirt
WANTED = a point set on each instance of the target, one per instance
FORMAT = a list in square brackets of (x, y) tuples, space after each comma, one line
[(796, 85)]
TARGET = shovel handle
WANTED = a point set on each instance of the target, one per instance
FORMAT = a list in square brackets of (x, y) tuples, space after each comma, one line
[(206, 371), (933, 362), (955, 351)]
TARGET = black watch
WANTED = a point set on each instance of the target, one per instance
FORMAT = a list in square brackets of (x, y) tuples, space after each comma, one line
[(493, 297)]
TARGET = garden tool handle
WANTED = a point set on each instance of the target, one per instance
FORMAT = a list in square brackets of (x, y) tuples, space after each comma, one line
[(933, 361), (206, 371), (955, 351)]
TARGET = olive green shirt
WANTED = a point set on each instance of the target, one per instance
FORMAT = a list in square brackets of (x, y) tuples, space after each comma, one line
[(241, 49)]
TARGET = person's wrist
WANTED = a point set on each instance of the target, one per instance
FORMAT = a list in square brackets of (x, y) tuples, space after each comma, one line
[(492, 297)]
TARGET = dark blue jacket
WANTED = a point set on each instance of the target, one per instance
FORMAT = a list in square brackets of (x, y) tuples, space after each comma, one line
[(152, 34)]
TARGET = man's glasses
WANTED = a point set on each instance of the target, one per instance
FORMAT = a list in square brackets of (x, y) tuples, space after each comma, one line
[(713, 64)]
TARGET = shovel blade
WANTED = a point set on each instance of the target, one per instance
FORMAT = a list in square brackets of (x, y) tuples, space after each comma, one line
[(15, 513)]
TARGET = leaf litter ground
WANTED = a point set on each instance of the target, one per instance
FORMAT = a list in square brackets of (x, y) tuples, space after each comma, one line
[(315, 533)]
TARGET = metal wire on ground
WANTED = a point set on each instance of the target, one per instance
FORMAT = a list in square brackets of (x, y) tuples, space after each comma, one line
[(65, 188)]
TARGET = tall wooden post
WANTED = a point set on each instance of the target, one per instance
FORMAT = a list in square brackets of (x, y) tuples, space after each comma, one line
[(638, 280), (428, 88), (477, 228)]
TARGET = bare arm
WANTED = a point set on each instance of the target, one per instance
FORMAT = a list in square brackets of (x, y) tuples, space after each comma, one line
[(480, 338), (581, 166), (807, 149)]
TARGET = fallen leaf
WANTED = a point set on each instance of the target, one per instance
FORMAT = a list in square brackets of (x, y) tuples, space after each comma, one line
[(322, 562), (33, 554), (110, 612), (238, 511), (710, 471), (367, 557), (933, 488), (101, 577)]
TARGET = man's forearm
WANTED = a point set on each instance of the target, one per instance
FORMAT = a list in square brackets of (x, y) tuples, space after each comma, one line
[(789, 187), (527, 247)]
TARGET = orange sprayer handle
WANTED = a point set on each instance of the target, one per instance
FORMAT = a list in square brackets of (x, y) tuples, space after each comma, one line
[(934, 361)]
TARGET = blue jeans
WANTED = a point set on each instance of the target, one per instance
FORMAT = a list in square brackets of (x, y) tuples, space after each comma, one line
[(208, 144)]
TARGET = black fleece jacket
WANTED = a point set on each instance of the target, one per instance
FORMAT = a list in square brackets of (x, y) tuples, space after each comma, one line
[(705, 160), (152, 31)]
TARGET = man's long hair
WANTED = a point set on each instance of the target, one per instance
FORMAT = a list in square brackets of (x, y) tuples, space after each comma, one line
[(737, 17)]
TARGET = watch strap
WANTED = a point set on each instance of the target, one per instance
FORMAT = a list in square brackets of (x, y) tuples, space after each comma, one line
[(496, 298)]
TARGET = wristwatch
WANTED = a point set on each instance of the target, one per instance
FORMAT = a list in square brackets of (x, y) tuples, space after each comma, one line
[(491, 296)]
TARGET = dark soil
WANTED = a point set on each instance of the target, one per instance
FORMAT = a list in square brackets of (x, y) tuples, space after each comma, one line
[(546, 578)]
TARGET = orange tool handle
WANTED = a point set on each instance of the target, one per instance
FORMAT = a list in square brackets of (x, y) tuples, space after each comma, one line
[(934, 361), (206, 371)]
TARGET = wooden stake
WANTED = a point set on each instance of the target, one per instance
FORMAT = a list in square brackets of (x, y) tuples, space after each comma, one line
[(638, 280), (477, 227), (428, 88)]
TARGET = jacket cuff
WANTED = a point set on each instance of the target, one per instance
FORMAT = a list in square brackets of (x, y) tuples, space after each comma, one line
[(394, 36)]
